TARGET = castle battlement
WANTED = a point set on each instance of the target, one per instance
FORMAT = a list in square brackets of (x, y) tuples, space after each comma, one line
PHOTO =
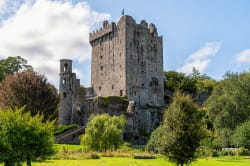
[(127, 62), (106, 29)]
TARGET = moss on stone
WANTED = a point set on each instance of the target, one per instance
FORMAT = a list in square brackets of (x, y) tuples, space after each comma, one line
[(105, 101)]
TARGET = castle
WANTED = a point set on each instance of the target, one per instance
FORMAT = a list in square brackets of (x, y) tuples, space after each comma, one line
[(126, 77)]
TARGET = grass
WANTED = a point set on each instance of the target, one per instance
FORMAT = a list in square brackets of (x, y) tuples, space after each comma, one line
[(128, 161), (67, 147), (73, 155)]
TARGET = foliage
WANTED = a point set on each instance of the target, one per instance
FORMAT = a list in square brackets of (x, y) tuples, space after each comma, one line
[(181, 131), (105, 101), (196, 85), (64, 128), (24, 138), (179, 81), (31, 90), (154, 144), (67, 151), (241, 136), (103, 132), (228, 106), (13, 65)]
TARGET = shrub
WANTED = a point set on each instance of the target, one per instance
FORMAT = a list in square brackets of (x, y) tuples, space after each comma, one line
[(24, 138), (103, 132), (94, 156), (144, 157)]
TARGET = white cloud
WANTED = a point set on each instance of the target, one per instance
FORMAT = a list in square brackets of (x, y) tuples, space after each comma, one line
[(200, 59), (243, 57), (45, 31), (3, 5)]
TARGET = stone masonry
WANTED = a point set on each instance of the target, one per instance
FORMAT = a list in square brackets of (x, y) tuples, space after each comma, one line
[(127, 60)]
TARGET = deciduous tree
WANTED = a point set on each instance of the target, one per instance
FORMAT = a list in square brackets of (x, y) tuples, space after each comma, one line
[(241, 136), (31, 90), (181, 131), (24, 138), (103, 132), (13, 65), (228, 106)]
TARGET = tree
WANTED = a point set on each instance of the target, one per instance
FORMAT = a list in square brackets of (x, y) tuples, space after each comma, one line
[(13, 65), (181, 131), (154, 143), (228, 106), (31, 90), (24, 138), (179, 81), (199, 86), (241, 136), (103, 132)]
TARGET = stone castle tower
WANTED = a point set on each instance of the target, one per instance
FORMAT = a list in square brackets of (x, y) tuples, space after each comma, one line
[(127, 60), (69, 94)]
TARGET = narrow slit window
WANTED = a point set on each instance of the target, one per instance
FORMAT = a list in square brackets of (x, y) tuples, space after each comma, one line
[(64, 94), (65, 68)]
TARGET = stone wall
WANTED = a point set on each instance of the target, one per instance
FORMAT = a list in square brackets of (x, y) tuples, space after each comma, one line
[(127, 60), (107, 66), (69, 89)]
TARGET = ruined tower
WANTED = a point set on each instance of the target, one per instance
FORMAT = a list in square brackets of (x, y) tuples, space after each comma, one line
[(127, 60), (69, 94)]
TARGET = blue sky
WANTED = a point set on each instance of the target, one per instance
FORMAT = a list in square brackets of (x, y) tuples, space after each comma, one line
[(210, 35)]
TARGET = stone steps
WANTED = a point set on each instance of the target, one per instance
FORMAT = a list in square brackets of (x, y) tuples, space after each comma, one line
[(71, 137)]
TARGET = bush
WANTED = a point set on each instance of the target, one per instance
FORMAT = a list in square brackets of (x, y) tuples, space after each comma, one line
[(94, 156), (144, 157), (103, 132), (24, 138)]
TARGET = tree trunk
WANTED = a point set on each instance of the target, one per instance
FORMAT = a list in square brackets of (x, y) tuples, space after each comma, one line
[(9, 163), (28, 162)]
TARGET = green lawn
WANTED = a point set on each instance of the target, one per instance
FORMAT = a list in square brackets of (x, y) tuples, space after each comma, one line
[(127, 160), (116, 161)]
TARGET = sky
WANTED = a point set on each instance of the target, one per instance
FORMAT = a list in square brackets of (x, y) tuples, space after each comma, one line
[(211, 35)]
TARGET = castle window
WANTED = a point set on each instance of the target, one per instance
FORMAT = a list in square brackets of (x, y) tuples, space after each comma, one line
[(113, 86), (130, 44), (64, 81), (142, 85), (70, 87), (101, 57), (100, 88), (121, 92), (64, 94), (65, 68), (101, 67)]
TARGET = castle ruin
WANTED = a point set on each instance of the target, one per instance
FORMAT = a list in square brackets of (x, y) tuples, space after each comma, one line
[(126, 77)]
